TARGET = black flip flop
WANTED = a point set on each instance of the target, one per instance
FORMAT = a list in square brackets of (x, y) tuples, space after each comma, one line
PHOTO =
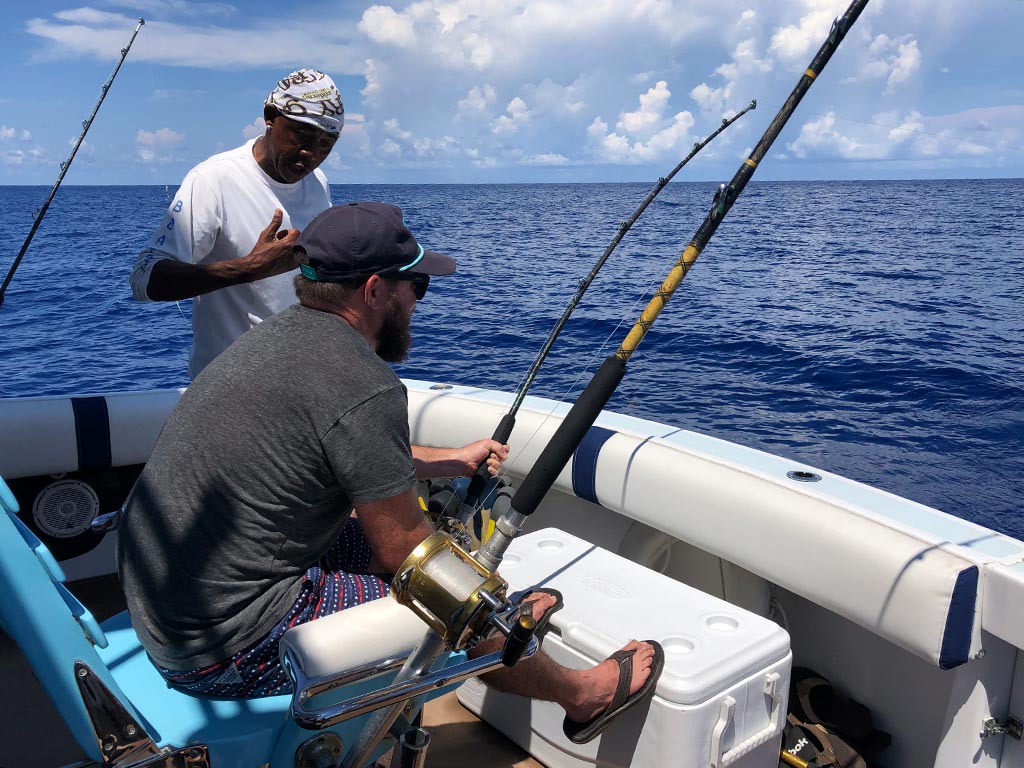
[(542, 623), (581, 733)]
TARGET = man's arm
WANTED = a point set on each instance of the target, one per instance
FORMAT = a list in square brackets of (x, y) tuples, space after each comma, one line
[(458, 462), (273, 254), (393, 528)]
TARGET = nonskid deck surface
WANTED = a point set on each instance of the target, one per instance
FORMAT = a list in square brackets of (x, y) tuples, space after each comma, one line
[(32, 734)]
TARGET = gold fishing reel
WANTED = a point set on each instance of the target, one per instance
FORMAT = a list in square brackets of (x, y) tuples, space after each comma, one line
[(448, 589)]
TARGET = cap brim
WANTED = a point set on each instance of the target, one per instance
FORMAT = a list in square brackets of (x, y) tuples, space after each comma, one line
[(434, 263), (331, 125)]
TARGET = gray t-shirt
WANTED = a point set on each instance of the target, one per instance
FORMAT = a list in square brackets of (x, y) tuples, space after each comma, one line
[(252, 480)]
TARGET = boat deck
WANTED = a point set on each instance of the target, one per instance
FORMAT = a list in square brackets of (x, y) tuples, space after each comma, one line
[(33, 734)]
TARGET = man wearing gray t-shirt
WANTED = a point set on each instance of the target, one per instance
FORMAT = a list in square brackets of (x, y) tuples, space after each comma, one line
[(240, 525)]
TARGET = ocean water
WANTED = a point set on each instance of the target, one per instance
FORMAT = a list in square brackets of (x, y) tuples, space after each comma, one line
[(873, 329)]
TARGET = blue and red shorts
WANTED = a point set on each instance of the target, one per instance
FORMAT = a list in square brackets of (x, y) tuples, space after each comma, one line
[(338, 581)]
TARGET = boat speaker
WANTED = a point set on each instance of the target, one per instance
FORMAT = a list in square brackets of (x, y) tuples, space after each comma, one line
[(64, 509)]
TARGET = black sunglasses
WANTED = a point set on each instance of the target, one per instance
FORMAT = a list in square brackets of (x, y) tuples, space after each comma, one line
[(420, 282)]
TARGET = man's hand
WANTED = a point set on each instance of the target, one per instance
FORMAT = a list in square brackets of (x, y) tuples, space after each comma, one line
[(491, 451), (459, 462), (273, 253)]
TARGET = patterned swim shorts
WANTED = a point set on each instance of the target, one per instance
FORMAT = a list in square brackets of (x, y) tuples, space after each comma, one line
[(338, 581)]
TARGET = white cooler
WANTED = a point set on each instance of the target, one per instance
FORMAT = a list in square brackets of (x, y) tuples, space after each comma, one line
[(720, 701)]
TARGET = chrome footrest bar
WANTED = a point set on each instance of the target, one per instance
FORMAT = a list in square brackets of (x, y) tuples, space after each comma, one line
[(316, 719)]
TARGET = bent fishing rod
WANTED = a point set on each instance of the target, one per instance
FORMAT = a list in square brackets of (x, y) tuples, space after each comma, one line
[(65, 165), (586, 409), (508, 421)]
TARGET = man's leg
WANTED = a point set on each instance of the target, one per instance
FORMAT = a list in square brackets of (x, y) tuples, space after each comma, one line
[(338, 581), (583, 694)]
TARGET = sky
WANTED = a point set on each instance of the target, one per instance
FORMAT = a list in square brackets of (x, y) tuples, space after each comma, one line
[(496, 91)]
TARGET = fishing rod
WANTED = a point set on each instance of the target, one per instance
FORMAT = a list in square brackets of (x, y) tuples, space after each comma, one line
[(505, 429), (508, 421), (65, 165), (586, 409)]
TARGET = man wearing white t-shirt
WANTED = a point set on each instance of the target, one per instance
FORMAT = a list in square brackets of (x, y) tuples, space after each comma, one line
[(227, 237)]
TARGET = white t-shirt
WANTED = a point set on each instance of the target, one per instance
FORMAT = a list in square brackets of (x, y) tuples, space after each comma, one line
[(217, 215)]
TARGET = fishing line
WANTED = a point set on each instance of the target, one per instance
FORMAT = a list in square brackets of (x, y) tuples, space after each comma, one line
[(65, 165), (590, 362), (504, 429)]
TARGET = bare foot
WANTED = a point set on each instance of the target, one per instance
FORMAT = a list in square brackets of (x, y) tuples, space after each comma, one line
[(599, 687), (538, 604)]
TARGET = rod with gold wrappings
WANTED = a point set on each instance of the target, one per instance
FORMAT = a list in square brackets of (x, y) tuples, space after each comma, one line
[(584, 412)]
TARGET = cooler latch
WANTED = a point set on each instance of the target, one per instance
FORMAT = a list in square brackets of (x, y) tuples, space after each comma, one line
[(1012, 727)]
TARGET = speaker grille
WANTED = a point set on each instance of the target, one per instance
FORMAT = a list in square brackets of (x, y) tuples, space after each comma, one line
[(65, 508)]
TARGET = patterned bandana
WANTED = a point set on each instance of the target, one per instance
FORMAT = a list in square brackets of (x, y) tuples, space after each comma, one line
[(309, 96)]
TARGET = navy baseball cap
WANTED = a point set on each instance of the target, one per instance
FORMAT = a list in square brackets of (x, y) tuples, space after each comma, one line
[(356, 240)]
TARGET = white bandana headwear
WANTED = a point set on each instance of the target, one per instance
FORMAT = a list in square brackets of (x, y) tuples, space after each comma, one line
[(309, 96)]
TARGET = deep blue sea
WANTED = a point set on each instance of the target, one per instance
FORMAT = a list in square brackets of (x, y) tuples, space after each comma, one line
[(874, 329)]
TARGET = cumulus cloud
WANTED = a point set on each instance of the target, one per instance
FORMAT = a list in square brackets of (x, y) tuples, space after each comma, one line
[(477, 102), (488, 84), (545, 158), (796, 42), (516, 115), (989, 134), (744, 64), (16, 147), (894, 60), (382, 24), (256, 128), (645, 134), (157, 146)]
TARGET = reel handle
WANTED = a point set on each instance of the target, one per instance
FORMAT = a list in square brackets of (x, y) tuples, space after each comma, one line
[(518, 640)]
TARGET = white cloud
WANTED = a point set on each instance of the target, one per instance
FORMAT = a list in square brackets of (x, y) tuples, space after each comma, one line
[(477, 102), (545, 158), (256, 128), (977, 134), (381, 24), (512, 83), (652, 105), (895, 60), (183, 8), (745, 64), (13, 154), (905, 65), (157, 146), (516, 116), (663, 137), (796, 42)]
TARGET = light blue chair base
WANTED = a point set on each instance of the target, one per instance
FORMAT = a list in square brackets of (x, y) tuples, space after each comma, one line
[(56, 633)]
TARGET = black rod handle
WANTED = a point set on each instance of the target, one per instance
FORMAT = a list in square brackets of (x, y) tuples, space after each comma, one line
[(567, 437)]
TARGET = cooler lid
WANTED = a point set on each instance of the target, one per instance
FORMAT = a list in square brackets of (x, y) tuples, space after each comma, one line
[(709, 644)]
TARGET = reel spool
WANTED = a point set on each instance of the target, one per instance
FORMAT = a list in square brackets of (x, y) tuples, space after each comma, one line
[(64, 509), (448, 589)]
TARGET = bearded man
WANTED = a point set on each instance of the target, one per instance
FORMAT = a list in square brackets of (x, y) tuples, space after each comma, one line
[(240, 526)]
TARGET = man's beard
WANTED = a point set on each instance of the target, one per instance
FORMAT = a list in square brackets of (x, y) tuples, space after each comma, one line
[(395, 338)]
